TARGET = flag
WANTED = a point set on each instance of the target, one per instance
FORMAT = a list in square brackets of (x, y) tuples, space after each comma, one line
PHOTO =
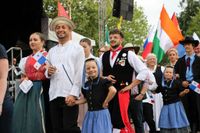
[(148, 44), (167, 36), (39, 60), (195, 36), (175, 21), (195, 86), (120, 23), (107, 39), (62, 12), (180, 48)]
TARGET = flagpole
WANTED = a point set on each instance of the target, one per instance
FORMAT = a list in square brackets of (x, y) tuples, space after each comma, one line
[(102, 19), (69, 3)]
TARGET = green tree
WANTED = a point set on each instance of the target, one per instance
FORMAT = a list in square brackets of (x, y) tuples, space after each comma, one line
[(190, 9), (194, 25), (85, 15)]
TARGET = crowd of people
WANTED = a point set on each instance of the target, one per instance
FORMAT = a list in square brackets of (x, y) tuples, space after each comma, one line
[(73, 91)]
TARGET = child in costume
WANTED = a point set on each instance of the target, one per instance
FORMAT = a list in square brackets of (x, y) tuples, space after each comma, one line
[(97, 93), (173, 117)]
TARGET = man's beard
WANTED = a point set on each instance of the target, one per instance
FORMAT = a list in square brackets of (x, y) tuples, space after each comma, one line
[(115, 46), (61, 36)]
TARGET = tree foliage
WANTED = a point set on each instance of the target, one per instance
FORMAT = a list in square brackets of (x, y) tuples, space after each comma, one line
[(194, 25), (85, 15), (135, 31), (190, 9)]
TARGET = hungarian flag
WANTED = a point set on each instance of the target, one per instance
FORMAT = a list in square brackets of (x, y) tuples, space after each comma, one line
[(167, 36), (195, 86)]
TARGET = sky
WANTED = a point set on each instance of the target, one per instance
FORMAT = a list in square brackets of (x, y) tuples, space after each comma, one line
[(152, 8)]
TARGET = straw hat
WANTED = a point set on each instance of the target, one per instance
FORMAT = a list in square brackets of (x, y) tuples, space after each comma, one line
[(131, 46), (61, 20)]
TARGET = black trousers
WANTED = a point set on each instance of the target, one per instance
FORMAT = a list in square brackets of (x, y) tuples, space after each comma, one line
[(191, 103), (148, 116), (6, 116), (136, 113), (48, 126), (63, 117)]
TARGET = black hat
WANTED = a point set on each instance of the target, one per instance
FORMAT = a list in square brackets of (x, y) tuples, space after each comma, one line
[(189, 39)]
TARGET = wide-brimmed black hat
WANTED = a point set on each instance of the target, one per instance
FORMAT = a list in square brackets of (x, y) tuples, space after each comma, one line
[(189, 39)]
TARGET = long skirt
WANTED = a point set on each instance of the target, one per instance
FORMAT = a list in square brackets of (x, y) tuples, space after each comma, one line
[(173, 119), (176, 130), (97, 122), (28, 115)]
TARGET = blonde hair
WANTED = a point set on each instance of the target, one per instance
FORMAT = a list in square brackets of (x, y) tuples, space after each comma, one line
[(172, 50)]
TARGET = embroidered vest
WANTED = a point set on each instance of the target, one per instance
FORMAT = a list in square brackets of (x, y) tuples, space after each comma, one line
[(121, 69)]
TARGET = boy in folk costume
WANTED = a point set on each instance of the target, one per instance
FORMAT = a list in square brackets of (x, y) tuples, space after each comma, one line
[(187, 69)]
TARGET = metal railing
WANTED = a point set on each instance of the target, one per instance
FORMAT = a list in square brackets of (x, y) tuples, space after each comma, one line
[(12, 83)]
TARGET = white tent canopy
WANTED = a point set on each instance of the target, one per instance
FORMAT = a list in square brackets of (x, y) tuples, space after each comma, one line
[(75, 36)]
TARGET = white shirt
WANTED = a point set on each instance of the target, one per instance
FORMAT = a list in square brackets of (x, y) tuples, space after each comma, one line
[(94, 57), (91, 56), (72, 57), (134, 62), (152, 85), (22, 64)]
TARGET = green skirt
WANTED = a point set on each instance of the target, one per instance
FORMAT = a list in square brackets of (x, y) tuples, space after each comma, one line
[(28, 115)]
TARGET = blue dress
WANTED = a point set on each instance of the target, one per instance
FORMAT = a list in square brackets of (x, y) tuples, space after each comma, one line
[(173, 118), (97, 119)]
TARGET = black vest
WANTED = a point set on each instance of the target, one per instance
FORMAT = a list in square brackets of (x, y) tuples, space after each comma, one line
[(121, 69), (158, 75)]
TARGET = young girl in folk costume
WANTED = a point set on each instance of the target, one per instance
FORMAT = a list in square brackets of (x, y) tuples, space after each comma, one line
[(28, 116), (97, 93), (172, 118)]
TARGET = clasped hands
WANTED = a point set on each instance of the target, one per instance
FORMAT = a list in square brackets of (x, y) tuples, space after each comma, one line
[(70, 100)]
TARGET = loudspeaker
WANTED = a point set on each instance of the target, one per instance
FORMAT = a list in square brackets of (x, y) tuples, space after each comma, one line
[(123, 8)]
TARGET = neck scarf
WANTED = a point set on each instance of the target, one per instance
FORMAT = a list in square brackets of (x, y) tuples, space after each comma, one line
[(114, 51)]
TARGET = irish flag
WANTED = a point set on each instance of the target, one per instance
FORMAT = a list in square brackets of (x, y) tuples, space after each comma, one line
[(167, 35)]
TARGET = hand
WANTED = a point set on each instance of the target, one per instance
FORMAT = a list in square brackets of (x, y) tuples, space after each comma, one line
[(111, 78), (127, 88), (185, 84), (51, 70), (177, 76), (70, 100), (139, 97), (105, 105), (186, 91), (23, 77)]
